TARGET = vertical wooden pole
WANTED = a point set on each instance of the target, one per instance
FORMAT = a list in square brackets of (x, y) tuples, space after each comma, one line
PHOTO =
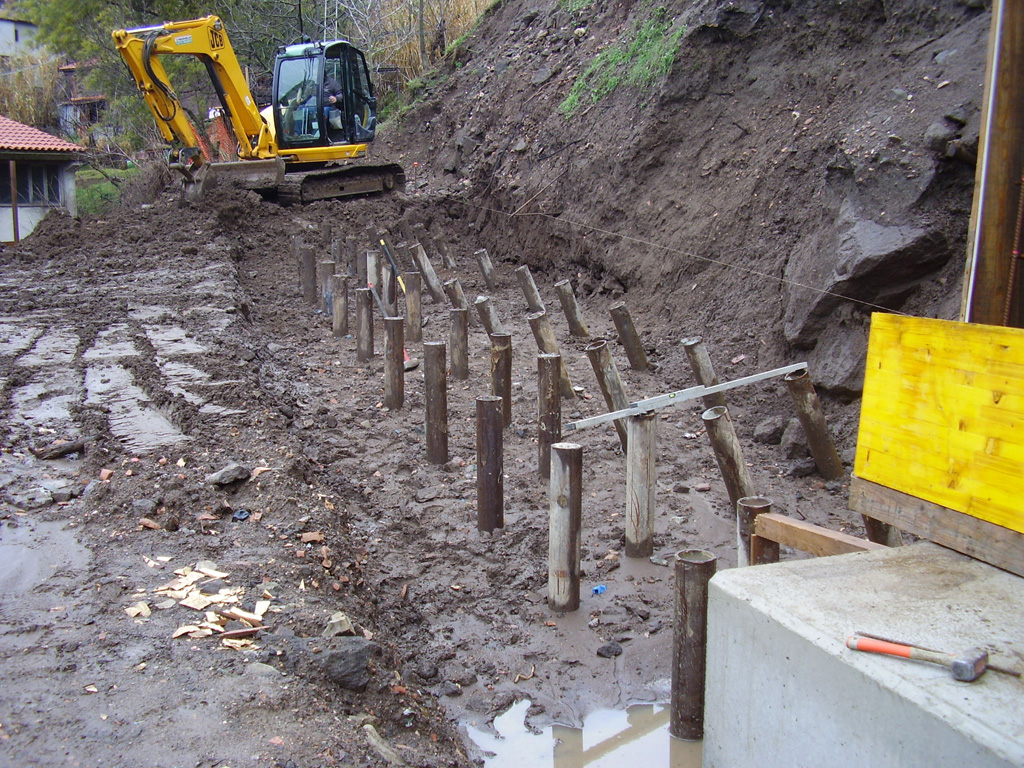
[(501, 373), (15, 223), (373, 270), (641, 484), (296, 251), (351, 256), (812, 419), (530, 292), (364, 325), (628, 336), (703, 371), (429, 275), (489, 465), (325, 233), (324, 273), (729, 455), (610, 382), (458, 340), (544, 335), (340, 267), (694, 569), (308, 256), (453, 289), (488, 315), (436, 401), (389, 290), (747, 510), (573, 317), (339, 300), (486, 268), (565, 515), (394, 363), (413, 307), (761, 550), (362, 273), (549, 407)]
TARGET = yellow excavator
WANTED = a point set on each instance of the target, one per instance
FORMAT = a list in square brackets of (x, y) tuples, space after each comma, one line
[(310, 143)]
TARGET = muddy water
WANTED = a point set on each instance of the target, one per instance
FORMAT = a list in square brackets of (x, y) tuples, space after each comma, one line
[(609, 738), (32, 552)]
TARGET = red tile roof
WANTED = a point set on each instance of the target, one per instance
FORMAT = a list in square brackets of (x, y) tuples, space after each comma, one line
[(17, 137)]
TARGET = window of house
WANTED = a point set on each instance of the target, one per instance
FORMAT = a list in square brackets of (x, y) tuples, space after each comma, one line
[(38, 183)]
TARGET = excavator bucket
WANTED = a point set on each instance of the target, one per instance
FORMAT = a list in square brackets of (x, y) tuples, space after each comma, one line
[(249, 174)]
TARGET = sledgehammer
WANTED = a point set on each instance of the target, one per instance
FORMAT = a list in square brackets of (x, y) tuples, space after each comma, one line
[(967, 666)]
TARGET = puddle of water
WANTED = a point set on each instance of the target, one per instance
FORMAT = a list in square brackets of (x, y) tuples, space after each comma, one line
[(56, 347), (16, 338), (139, 427), (32, 552), (48, 402), (169, 341), (609, 738), (112, 342)]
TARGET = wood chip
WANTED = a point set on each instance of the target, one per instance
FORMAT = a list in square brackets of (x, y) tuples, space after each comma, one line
[(260, 470), (262, 606), (153, 525), (212, 573), (196, 601), (138, 609), (314, 537), (184, 630)]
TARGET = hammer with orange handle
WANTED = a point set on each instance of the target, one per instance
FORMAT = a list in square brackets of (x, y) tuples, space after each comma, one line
[(967, 666)]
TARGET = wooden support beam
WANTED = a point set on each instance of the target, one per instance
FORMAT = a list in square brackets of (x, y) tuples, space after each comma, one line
[(808, 537)]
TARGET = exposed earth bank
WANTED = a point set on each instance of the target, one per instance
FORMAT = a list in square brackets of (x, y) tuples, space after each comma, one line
[(793, 156)]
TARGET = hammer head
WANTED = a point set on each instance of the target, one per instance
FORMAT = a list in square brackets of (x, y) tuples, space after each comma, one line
[(969, 665)]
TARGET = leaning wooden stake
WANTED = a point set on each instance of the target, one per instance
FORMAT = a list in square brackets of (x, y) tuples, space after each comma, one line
[(747, 510), (573, 317), (544, 335), (434, 287), (549, 408), (458, 340), (611, 385), (729, 456), (394, 363), (339, 300), (812, 419), (501, 373), (565, 514), (488, 315), (324, 273), (308, 257), (364, 325), (694, 569), (530, 292), (703, 371), (413, 307), (453, 290), (486, 268), (641, 484), (435, 397), (489, 465), (629, 337)]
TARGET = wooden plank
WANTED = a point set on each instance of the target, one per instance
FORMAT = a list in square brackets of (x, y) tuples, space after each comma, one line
[(808, 537), (941, 418), (970, 535)]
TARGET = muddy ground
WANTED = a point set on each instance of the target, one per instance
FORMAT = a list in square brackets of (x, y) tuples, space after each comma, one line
[(174, 340)]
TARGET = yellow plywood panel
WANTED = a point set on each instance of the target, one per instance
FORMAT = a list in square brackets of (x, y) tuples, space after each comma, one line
[(943, 415)]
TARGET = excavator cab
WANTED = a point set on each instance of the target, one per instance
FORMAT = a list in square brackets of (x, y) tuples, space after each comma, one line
[(305, 76)]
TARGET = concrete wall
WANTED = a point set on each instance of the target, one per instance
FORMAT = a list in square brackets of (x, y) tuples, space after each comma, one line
[(15, 37), (783, 690)]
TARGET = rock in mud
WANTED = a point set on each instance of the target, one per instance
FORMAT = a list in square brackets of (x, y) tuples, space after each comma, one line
[(609, 650), (794, 442), (347, 663), (769, 431), (232, 473)]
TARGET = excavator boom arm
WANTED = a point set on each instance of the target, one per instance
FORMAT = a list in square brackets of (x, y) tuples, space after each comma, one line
[(207, 40)]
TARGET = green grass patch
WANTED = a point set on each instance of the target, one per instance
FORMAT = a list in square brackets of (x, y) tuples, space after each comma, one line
[(640, 58), (99, 192)]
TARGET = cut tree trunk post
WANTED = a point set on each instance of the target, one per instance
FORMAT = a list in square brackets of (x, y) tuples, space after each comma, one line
[(325, 233), (628, 336), (413, 307), (458, 340), (488, 315), (339, 300), (761, 550), (694, 569), (389, 290), (337, 256), (812, 419), (394, 363), (573, 317), (501, 373), (533, 300), (641, 484), (362, 274), (453, 289), (364, 325), (486, 268), (729, 456), (544, 335), (610, 382), (565, 515), (747, 510), (549, 407), (351, 256), (703, 371), (309, 275), (435, 365), (429, 275), (489, 464), (324, 273), (373, 270)]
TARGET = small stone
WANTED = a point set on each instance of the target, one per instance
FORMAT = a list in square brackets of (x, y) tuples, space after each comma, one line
[(541, 76), (769, 431), (424, 495), (144, 507), (232, 473), (802, 468), (449, 688), (347, 664), (609, 650), (702, 487)]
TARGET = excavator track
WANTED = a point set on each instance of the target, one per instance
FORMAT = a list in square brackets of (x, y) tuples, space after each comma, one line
[(328, 183)]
